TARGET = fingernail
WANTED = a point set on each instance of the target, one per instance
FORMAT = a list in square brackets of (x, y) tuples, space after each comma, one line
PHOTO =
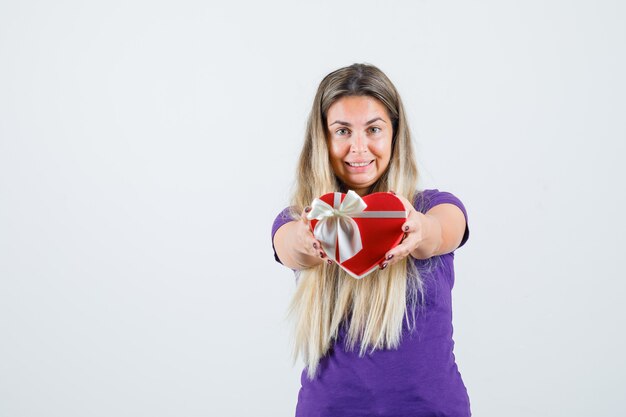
[(384, 265), (314, 245), (389, 257), (307, 209), (406, 228)]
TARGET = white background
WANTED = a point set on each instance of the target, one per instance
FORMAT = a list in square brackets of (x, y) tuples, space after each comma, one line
[(145, 148)]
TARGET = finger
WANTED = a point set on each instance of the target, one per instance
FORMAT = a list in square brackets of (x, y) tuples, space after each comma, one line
[(391, 253), (319, 250), (315, 247), (399, 252), (411, 223), (408, 225), (397, 257), (310, 248)]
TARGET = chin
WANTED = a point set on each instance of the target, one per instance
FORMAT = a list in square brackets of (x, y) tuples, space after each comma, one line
[(359, 186)]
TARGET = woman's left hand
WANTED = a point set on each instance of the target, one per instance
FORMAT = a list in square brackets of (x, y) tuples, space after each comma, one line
[(415, 228)]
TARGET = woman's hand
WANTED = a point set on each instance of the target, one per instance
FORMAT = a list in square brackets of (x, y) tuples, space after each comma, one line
[(305, 241), (420, 235), (296, 246)]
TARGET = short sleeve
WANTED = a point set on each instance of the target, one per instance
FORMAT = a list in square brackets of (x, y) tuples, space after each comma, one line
[(427, 199), (283, 218)]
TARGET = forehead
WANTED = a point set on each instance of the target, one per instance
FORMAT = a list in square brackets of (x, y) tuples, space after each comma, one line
[(356, 110)]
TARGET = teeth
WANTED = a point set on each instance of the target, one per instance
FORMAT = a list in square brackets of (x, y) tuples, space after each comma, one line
[(358, 164)]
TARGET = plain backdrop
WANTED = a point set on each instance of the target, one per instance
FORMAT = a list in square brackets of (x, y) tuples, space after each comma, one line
[(146, 146)]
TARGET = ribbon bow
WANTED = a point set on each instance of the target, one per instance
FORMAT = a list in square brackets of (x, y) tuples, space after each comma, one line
[(335, 226)]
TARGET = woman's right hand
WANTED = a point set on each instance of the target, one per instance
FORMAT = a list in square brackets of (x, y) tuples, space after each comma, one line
[(296, 246), (305, 241)]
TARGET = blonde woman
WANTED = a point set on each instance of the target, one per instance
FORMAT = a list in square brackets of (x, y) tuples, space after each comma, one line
[(381, 345)]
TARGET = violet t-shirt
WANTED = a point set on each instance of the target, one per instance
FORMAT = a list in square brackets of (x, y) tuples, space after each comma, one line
[(420, 378)]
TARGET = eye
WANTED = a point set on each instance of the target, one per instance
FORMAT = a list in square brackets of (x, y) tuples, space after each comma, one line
[(375, 129), (341, 132)]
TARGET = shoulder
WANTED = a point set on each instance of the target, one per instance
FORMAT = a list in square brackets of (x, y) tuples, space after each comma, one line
[(426, 199), (284, 217)]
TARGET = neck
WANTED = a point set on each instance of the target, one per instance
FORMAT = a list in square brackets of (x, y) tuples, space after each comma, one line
[(362, 191)]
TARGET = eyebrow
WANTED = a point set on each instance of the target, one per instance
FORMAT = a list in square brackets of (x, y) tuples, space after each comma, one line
[(348, 124)]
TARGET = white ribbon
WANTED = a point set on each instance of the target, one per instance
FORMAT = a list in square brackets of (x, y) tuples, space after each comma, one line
[(335, 225)]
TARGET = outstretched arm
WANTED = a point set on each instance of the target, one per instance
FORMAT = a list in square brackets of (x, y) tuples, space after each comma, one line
[(295, 245), (437, 232)]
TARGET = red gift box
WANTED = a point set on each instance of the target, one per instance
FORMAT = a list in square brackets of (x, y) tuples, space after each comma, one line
[(356, 232)]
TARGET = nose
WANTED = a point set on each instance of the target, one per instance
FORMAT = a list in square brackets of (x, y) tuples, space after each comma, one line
[(359, 144)]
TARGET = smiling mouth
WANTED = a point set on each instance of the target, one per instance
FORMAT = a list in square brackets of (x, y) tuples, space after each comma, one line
[(359, 164)]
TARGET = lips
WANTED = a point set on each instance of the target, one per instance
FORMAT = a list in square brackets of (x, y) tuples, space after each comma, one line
[(359, 164)]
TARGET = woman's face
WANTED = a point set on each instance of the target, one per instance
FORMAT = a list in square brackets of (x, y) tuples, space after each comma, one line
[(359, 141)]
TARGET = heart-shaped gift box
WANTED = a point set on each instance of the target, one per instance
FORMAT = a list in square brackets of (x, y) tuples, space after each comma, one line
[(356, 232)]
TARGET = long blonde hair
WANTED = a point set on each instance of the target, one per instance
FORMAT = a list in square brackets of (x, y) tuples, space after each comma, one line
[(326, 297)]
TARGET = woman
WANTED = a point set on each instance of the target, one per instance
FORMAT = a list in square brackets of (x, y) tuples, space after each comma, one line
[(400, 316)]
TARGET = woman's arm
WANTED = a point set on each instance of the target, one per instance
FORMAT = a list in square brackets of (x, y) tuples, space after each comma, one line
[(442, 228), (295, 245), (437, 232)]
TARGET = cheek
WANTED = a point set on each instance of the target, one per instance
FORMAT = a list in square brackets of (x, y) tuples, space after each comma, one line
[(381, 149), (337, 151)]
